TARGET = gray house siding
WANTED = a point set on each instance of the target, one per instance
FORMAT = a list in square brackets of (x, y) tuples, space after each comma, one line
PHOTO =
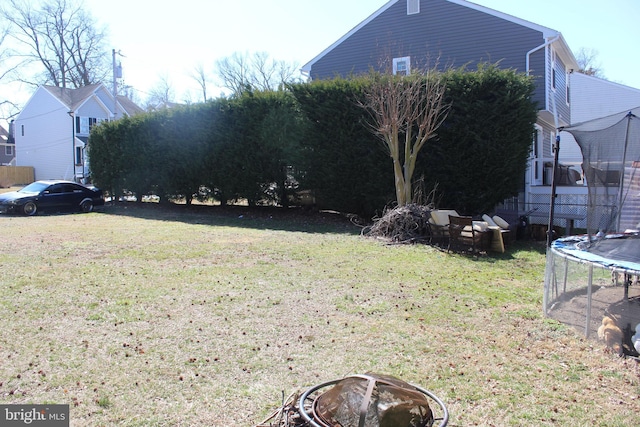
[(451, 34), (6, 145), (562, 103)]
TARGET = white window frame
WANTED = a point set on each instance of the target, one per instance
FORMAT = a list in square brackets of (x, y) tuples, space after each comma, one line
[(84, 125), (398, 62), (567, 89), (537, 156)]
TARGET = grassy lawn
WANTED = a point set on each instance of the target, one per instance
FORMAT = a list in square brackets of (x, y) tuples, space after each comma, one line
[(152, 317)]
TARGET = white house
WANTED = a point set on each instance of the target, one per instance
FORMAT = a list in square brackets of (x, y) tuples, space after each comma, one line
[(590, 98), (52, 130), (7, 148)]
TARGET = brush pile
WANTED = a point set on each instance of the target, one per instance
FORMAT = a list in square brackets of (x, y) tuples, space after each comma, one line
[(286, 416), (403, 224)]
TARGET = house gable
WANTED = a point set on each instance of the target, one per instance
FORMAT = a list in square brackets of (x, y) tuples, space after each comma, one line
[(52, 129), (94, 107), (451, 33), (441, 30), (42, 133)]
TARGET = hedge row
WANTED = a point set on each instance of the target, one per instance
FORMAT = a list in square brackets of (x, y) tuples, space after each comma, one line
[(264, 146)]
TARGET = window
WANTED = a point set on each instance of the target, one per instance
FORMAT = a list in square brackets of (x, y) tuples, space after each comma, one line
[(8, 150), (22, 129), (553, 69), (568, 92), (413, 7), (78, 155), (402, 65), (55, 189), (537, 160), (84, 124)]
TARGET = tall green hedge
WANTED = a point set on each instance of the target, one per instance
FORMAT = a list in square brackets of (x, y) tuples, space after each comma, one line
[(479, 157), (229, 149), (345, 164), (261, 146)]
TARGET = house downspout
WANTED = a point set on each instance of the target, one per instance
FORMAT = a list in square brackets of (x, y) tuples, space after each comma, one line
[(72, 114), (528, 60), (546, 98)]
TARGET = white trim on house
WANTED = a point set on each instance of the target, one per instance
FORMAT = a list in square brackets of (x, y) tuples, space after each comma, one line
[(537, 157)]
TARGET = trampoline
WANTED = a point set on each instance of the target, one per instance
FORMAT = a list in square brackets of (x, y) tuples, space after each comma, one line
[(584, 282), (595, 275)]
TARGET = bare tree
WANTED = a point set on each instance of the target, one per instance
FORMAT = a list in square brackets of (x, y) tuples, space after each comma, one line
[(161, 95), (4, 55), (62, 38), (233, 71), (257, 71), (8, 108), (588, 62), (406, 111), (200, 76)]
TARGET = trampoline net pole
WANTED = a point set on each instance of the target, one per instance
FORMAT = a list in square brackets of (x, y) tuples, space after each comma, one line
[(588, 321)]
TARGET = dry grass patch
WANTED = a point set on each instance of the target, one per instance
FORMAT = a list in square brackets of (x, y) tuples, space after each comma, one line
[(153, 317)]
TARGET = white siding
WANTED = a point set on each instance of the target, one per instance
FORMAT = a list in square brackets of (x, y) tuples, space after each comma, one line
[(592, 98), (93, 108), (47, 142)]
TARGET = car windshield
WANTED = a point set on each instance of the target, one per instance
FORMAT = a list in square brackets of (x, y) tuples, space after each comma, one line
[(34, 188)]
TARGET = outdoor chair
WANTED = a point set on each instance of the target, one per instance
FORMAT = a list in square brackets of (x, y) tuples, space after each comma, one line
[(439, 226), (467, 237), (504, 232)]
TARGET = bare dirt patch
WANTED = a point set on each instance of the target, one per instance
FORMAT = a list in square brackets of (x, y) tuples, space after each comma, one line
[(605, 300)]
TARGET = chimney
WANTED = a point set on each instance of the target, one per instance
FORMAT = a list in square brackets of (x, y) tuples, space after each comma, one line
[(11, 139)]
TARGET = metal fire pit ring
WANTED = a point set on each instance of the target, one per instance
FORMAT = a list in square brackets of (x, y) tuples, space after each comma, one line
[(304, 412)]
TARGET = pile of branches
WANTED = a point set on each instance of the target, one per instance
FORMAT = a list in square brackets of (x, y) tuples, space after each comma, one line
[(288, 415), (403, 224)]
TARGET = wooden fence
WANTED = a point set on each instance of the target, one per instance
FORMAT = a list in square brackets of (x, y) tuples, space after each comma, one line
[(16, 175)]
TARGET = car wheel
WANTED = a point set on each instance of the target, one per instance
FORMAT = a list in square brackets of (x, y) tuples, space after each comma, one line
[(30, 208), (86, 206)]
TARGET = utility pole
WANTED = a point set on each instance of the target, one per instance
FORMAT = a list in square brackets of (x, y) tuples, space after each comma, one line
[(117, 74)]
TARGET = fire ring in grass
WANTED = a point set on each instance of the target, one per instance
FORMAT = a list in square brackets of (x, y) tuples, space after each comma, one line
[(371, 400)]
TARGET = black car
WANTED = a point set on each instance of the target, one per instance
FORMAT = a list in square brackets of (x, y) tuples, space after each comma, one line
[(51, 196)]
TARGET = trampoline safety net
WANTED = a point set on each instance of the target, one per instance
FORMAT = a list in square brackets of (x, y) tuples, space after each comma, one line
[(611, 163), (593, 276)]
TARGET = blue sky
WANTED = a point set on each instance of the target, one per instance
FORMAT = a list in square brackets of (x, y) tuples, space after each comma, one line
[(168, 40)]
